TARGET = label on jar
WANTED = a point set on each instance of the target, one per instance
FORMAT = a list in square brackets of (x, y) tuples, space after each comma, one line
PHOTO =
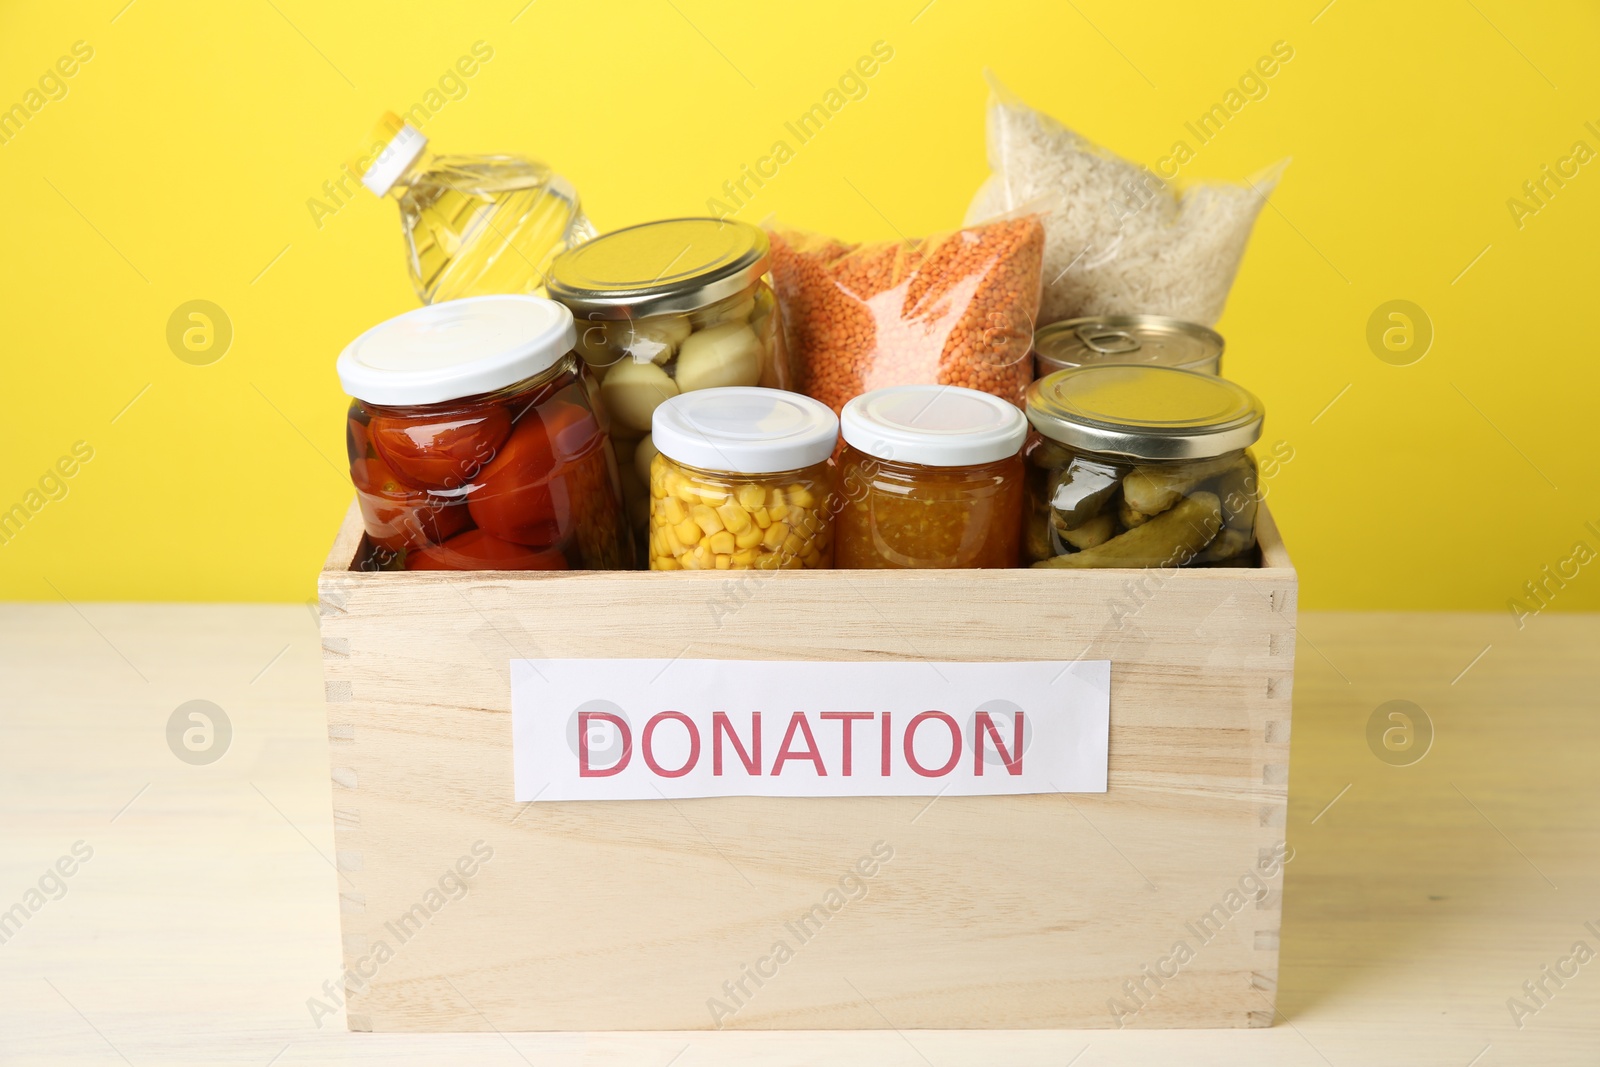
[(652, 729)]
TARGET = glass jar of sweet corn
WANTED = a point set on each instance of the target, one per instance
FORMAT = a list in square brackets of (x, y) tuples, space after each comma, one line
[(930, 476), (742, 481), (1141, 466)]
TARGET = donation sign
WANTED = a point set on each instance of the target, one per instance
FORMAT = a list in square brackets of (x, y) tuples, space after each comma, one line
[(651, 729)]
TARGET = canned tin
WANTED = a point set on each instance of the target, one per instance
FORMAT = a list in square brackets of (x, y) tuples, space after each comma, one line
[(1147, 339)]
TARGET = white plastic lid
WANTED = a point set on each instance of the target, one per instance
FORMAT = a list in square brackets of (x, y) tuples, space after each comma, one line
[(745, 430), (456, 348), (934, 425), (401, 151)]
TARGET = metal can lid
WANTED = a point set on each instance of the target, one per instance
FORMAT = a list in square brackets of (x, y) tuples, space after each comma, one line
[(1145, 339), (933, 425), (654, 268), (455, 349), (745, 430), (1144, 412)]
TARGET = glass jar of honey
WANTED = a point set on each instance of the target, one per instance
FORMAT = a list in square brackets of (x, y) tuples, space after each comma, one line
[(930, 476)]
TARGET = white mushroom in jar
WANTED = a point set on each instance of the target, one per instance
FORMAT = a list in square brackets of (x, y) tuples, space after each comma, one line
[(722, 355), (632, 391)]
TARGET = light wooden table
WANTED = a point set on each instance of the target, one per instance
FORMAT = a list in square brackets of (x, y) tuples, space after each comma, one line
[(1419, 901)]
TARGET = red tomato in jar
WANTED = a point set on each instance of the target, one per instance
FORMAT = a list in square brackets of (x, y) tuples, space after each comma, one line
[(513, 500), (479, 551), (441, 453), (356, 442), (398, 516)]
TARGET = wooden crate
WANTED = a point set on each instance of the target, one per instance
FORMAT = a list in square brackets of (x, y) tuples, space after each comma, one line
[(1035, 911)]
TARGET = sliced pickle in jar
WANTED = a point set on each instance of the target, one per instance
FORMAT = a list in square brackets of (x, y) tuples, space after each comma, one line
[(1130, 518), (1152, 490), (1171, 539), (1097, 531), (1047, 455), (1241, 498), (1081, 489), (1229, 544)]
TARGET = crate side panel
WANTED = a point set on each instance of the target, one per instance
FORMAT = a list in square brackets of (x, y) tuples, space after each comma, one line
[(1004, 911)]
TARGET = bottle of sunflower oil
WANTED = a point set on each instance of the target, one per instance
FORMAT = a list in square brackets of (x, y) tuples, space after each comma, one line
[(474, 225)]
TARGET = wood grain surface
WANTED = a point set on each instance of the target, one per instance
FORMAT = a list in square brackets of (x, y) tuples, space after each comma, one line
[(205, 928), (1003, 911)]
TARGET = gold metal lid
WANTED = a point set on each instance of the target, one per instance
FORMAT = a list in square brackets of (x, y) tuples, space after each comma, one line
[(1144, 412), (655, 268), (1148, 339)]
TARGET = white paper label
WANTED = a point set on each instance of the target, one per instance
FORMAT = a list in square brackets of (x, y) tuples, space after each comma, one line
[(647, 729)]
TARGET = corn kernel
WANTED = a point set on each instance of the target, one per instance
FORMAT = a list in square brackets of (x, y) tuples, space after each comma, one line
[(706, 519), (702, 521)]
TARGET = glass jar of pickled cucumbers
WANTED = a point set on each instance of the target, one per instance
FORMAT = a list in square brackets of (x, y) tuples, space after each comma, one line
[(665, 308), (1148, 339), (1141, 466), (475, 442), (930, 476), (743, 480)]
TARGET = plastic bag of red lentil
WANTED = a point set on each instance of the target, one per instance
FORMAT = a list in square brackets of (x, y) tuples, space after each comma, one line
[(951, 309)]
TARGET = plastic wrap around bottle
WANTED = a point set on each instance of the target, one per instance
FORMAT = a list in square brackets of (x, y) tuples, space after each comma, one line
[(474, 225)]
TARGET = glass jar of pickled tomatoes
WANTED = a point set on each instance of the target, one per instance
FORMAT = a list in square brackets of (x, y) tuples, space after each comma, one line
[(743, 480), (476, 442), (930, 476)]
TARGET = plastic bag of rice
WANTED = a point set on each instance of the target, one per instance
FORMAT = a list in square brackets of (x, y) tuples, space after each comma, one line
[(1118, 240)]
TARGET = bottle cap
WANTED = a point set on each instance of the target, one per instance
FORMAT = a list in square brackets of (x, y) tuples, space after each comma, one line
[(456, 349), (933, 425), (1144, 412), (744, 430), (391, 149)]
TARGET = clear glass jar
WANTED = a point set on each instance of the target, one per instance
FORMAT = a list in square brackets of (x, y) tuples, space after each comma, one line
[(1139, 466), (665, 308), (743, 481), (1153, 340), (930, 476), (475, 442)]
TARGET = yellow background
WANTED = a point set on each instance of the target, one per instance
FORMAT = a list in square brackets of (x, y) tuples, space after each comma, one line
[(181, 160)]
